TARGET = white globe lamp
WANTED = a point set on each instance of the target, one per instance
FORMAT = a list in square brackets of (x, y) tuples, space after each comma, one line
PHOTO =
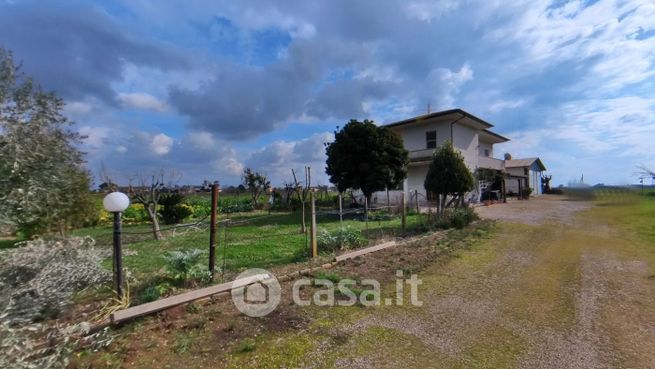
[(116, 202)]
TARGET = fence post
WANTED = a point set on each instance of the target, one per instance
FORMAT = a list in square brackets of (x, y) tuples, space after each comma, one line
[(418, 210), (212, 231), (340, 210), (313, 224), (403, 212), (366, 212)]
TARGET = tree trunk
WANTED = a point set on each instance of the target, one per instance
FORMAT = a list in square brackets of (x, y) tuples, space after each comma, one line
[(156, 232)]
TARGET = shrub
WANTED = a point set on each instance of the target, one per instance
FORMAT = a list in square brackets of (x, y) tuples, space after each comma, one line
[(41, 276), (461, 217), (456, 218), (341, 238), (525, 192), (173, 210)]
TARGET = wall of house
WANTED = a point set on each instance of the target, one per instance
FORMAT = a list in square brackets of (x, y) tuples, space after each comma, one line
[(533, 177), (465, 139), (486, 146), (414, 134)]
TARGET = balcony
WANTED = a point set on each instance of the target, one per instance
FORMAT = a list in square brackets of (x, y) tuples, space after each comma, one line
[(421, 155), (490, 163)]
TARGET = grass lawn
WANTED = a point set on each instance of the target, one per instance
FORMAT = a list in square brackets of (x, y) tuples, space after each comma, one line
[(262, 240)]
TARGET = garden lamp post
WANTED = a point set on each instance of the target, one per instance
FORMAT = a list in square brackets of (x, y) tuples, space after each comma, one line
[(117, 202)]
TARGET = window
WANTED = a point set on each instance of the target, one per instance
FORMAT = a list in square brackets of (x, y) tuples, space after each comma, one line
[(431, 139), (525, 171), (486, 152)]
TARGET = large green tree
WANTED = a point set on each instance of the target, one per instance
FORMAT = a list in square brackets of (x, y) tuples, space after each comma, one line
[(448, 175), (366, 157), (43, 184)]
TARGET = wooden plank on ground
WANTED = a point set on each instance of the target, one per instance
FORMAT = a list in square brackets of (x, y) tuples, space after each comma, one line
[(169, 302), (365, 251)]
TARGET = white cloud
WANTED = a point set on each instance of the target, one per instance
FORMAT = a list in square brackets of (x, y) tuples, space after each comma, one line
[(505, 104), (278, 158), (142, 101), (95, 136), (427, 11), (161, 144), (448, 84)]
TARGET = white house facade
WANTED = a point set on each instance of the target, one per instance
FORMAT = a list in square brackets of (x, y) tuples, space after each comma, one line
[(472, 137)]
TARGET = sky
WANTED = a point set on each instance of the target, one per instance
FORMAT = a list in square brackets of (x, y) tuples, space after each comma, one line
[(208, 88)]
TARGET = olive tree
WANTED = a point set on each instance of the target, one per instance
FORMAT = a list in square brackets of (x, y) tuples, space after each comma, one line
[(43, 183)]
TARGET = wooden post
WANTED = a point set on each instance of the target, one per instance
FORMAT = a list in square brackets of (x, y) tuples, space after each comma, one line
[(403, 212), (212, 230), (340, 209), (504, 189), (418, 210), (313, 224), (366, 212)]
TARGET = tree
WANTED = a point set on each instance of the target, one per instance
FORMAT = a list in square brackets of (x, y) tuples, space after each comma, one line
[(302, 192), (366, 157), (43, 184), (256, 183), (148, 192), (448, 176)]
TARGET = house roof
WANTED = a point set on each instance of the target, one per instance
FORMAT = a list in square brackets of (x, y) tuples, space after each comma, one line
[(487, 135), (527, 162), (439, 114)]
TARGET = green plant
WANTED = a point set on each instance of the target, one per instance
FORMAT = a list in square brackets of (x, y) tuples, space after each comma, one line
[(525, 192), (455, 218), (461, 217), (247, 345), (181, 263), (448, 175), (340, 238), (330, 276), (173, 210), (149, 294)]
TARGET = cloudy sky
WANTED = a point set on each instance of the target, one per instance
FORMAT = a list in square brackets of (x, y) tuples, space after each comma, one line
[(211, 87)]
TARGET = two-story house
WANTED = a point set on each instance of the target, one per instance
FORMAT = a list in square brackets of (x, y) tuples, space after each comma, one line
[(474, 140)]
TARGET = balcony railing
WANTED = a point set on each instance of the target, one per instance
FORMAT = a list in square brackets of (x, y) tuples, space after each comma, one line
[(421, 155), (490, 163)]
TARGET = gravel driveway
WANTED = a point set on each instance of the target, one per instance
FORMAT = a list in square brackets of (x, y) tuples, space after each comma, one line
[(552, 289), (538, 210)]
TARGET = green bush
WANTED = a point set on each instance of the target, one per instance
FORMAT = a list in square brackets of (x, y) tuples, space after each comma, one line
[(341, 238), (173, 210), (456, 218), (461, 217)]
